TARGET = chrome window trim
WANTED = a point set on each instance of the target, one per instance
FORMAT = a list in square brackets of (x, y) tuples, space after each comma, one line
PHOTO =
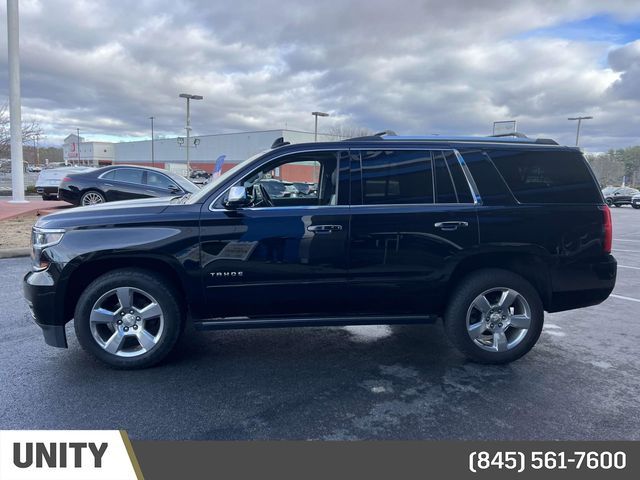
[(470, 182), (477, 199)]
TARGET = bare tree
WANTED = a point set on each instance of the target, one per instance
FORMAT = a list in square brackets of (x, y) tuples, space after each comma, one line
[(30, 130), (349, 131)]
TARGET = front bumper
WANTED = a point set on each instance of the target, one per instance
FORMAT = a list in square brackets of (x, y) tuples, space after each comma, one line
[(40, 293)]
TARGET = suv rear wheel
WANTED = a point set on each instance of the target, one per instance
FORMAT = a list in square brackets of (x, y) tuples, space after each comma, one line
[(128, 319), (495, 316)]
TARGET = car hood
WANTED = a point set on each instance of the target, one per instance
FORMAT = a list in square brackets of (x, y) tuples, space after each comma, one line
[(110, 213)]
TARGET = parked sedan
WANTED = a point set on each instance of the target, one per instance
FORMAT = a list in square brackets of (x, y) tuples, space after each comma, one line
[(122, 182), (49, 180), (620, 196)]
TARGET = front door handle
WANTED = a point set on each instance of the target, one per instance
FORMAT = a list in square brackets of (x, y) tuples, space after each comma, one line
[(324, 228), (450, 226)]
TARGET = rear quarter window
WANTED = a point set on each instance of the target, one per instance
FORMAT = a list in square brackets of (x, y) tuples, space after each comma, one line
[(547, 176)]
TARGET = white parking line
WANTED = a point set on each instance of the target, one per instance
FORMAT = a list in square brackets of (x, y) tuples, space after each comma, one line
[(625, 298), (624, 240), (626, 266), (630, 251)]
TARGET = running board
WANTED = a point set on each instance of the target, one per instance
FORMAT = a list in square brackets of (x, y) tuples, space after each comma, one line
[(246, 322)]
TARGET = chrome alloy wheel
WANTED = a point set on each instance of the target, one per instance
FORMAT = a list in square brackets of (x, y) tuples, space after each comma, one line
[(498, 319), (91, 198), (126, 322)]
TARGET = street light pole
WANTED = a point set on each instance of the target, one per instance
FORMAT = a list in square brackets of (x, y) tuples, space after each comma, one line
[(17, 166), (153, 162), (189, 97), (318, 114), (579, 119)]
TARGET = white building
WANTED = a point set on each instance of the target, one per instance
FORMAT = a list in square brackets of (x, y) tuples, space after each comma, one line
[(171, 153), (77, 151)]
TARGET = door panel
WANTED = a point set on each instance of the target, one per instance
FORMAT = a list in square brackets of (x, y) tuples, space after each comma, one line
[(403, 246), (400, 260), (278, 260)]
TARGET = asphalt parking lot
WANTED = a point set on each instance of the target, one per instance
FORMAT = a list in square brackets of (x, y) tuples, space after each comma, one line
[(582, 380)]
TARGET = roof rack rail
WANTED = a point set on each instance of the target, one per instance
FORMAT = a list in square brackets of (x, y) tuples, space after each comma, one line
[(504, 138), (386, 132), (375, 136), (546, 141), (512, 134)]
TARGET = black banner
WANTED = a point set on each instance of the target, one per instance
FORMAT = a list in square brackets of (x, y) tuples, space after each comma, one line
[(388, 460)]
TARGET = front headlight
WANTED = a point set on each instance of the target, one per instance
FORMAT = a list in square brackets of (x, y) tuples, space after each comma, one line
[(44, 237)]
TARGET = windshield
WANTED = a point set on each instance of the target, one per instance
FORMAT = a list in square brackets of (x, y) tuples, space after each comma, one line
[(204, 192), (186, 185)]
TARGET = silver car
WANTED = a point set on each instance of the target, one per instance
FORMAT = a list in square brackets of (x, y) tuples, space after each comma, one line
[(50, 178)]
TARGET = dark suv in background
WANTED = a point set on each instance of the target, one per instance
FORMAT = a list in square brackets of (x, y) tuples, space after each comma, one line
[(617, 197), (486, 233)]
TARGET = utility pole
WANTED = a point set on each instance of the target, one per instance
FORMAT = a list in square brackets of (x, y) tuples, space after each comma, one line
[(153, 163), (17, 165), (579, 119)]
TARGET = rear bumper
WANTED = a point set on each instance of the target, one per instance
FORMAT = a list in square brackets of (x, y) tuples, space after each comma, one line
[(47, 191), (582, 284), (39, 292), (69, 196)]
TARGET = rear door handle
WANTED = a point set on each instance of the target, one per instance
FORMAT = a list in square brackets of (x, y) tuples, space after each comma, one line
[(108, 185), (324, 228), (450, 226)]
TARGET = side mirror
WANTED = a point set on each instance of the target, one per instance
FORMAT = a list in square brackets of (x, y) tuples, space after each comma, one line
[(173, 189), (237, 198)]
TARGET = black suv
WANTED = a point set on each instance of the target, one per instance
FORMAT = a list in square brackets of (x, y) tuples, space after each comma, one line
[(486, 233)]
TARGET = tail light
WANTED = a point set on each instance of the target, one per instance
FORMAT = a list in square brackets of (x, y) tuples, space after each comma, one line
[(608, 230), (67, 179)]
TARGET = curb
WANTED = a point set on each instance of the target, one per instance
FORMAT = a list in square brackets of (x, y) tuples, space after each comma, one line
[(14, 252)]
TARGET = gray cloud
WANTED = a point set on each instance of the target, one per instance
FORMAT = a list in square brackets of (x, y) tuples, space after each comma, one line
[(414, 67)]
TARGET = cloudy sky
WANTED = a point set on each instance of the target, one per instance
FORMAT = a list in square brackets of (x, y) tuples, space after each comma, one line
[(411, 66)]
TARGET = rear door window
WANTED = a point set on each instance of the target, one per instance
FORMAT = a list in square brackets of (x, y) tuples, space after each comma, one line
[(397, 177), (445, 190), (129, 175), (544, 176)]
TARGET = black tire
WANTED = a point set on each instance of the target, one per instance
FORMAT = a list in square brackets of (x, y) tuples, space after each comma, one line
[(635, 206), (92, 193), (455, 319), (609, 202), (151, 284)]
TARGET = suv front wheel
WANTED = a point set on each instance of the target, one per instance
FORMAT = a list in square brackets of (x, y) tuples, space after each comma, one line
[(495, 316), (128, 318)]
